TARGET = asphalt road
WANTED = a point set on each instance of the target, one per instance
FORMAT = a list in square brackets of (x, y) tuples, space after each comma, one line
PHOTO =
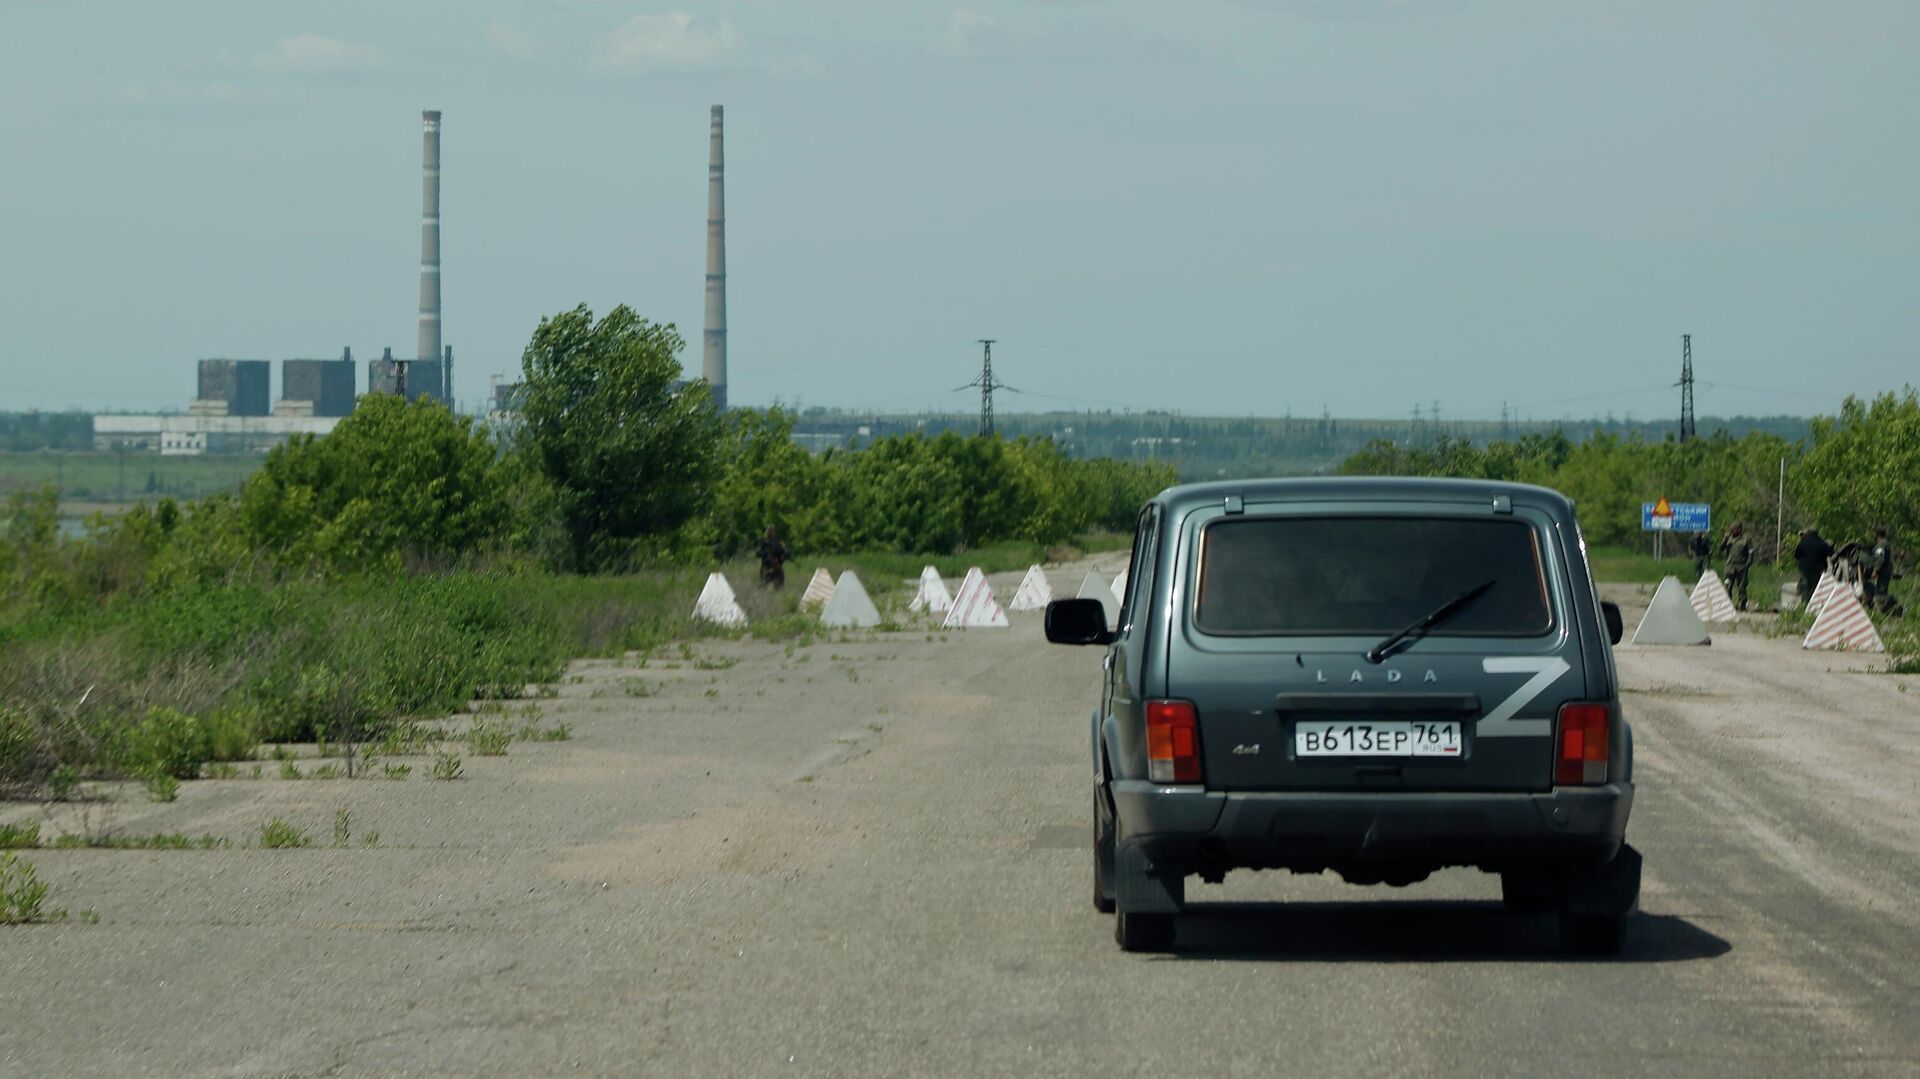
[(870, 857)]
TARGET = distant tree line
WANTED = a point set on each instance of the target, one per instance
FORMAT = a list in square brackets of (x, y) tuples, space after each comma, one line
[(1850, 474)]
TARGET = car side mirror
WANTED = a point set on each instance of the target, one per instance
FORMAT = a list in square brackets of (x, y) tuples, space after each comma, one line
[(1078, 621), (1616, 629)]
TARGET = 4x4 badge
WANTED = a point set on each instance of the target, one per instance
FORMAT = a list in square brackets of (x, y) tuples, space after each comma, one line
[(1244, 750)]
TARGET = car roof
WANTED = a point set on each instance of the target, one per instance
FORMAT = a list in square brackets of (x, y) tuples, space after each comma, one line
[(1361, 488)]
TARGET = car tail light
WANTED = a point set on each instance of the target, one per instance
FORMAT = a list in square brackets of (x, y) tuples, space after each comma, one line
[(1173, 742), (1580, 755)]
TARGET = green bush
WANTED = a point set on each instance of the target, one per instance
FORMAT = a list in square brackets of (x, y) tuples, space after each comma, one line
[(164, 743), (21, 892)]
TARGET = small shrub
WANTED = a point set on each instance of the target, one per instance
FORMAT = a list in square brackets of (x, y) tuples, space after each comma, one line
[(289, 770), (277, 834), (21, 892), (489, 739), (447, 766), (63, 783), (162, 787), (166, 742), (20, 836)]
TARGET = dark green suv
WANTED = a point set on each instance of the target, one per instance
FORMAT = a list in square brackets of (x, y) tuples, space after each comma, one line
[(1378, 677)]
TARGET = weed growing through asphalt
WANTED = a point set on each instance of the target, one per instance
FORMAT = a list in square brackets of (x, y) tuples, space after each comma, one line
[(222, 770), (21, 891), (327, 771), (162, 787), (533, 732), (289, 770), (489, 739), (63, 783), (342, 827), (639, 687), (447, 766), (713, 693), (399, 771), (277, 834), (20, 836), (721, 664), (159, 841)]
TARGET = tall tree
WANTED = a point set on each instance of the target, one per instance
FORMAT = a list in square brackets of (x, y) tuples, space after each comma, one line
[(631, 451)]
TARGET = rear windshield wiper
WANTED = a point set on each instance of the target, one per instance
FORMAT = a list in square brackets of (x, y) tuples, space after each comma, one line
[(1378, 653)]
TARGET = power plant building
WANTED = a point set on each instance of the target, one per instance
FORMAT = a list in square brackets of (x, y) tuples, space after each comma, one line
[(233, 388), (317, 387), (424, 378)]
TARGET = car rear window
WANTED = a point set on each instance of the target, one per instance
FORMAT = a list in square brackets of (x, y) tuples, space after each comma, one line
[(1280, 576)]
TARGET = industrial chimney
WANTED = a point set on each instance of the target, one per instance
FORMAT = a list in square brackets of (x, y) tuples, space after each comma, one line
[(429, 237), (713, 358)]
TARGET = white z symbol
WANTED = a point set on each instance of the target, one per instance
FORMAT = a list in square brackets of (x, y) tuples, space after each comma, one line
[(1499, 723)]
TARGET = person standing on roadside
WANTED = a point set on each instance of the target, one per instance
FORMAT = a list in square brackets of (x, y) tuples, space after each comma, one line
[(1737, 549), (1877, 573), (1811, 556), (772, 554), (1702, 549)]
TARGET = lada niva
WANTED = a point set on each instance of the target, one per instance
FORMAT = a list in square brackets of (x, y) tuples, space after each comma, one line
[(1377, 677)]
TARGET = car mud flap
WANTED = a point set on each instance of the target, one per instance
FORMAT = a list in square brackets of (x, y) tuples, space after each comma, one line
[(1608, 888), (1141, 887)]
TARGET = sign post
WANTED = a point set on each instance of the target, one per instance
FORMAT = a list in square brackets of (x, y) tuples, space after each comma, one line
[(1662, 517)]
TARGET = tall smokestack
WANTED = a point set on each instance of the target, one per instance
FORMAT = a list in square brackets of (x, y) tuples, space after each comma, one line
[(429, 236), (713, 355)]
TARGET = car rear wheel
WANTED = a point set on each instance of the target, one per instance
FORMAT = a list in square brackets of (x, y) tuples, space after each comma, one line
[(1143, 932), (1103, 898), (1592, 934)]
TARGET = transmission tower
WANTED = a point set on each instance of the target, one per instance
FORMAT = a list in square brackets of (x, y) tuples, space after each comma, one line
[(1686, 387), (987, 385)]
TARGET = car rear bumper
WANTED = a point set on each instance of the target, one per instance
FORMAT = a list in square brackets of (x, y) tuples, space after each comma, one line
[(1191, 828)]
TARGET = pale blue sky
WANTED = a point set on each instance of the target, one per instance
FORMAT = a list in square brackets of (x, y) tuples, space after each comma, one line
[(1216, 206)]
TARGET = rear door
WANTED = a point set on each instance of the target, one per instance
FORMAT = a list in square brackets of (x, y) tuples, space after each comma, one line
[(1282, 603)]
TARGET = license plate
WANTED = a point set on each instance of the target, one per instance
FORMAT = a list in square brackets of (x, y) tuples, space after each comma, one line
[(1383, 738)]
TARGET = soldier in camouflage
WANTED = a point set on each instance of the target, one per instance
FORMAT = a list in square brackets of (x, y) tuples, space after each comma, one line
[(1877, 573), (1737, 549)]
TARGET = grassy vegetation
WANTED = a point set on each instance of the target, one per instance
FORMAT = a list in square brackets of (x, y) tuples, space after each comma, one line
[(1621, 565)]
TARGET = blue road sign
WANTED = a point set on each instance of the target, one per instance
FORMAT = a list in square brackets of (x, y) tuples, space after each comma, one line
[(1686, 517)]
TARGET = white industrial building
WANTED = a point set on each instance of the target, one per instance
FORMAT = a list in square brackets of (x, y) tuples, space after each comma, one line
[(176, 435)]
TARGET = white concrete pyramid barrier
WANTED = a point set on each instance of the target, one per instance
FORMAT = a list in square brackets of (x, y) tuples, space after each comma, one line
[(1094, 586), (850, 605), (1711, 601), (1670, 618), (1120, 587), (932, 595), (716, 603), (974, 606), (1822, 592), (1033, 594), (819, 590), (1843, 625)]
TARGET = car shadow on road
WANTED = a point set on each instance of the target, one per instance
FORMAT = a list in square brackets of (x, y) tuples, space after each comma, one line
[(1417, 931)]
